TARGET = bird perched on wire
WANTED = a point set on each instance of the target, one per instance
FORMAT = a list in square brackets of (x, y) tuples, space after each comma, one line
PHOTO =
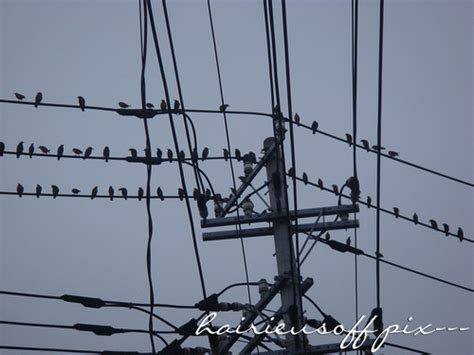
[(446, 229), (19, 96), (297, 119), (140, 193), (31, 150), (87, 152), (149, 105), (349, 139), (20, 189), (82, 103), (181, 194), (77, 151), (327, 237), (75, 191), (434, 224), (124, 192), (159, 154), (106, 153), (169, 153), (19, 149), (365, 144), (38, 190), (133, 152), (348, 241), (176, 105), (111, 193), (305, 178), (226, 154), (159, 193), (223, 107), (415, 218), (396, 211), (320, 184), (369, 201), (60, 151), (335, 189), (205, 153), (314, 126), (181, 156), (163, 105), (94, 192), (194, 155), (460, 234), (238, 155), (393, 153), (123, 104), (38, 98), (55, 190), (44, 149)]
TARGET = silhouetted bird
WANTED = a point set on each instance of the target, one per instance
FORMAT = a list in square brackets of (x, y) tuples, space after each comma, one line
[(149, 105), (194, 155), (75, 191), (349, 139), (160, 193), (446, 229), (291, 172), (123, 104), (314, 126), (124, 192), (159, 154), (238, 155), (20, 189), (82, 103), (181, 193), (77, 151), (176, 105), (393, 153), (60, 151), (223, 107), (133, 152), (348, 241), (38, 98), (169, 153), (297, 119), (365, 144), (181, 156), (111, 193), (106, 153), (226, 154), (320, 184), (44, 149), (38, 190), (327, 237), (460, 234), (31, 150), (335, 189), (163, 105), (87, 152), (377, 148), (305, 178), (434, 224), (94, 192), (205, 153), (140, 193), (415, 218), (55, 190), (396, 211), (2, 148), (19, 96), (369, 201), (19, 149)]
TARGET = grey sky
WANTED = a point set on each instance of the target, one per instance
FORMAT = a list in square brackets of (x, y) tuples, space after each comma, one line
[(97, 248)]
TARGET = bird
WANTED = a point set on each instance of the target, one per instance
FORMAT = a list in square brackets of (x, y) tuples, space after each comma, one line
[(291, 172), (349, 139), (87, 152), (160, 193), (446, 229), (140, 193), (19, 149), (238, 155), (2, 148), (123, 104), (297, 119), (77, 151), (181, 156), (348, 241), (365, 144), (176, 105), (124, 192), (415, 218), (149, 105), (55, 190), (94, 192), (20, 189), (133, 152), (335, 189), (377, 148), (106, 153), (305, 178), (369, 201), (181, 194), (44, 149), (111, 193), (378, 254), (327, 237), (60, 151), (38, 190), (396, 211), (205, 153), (75, 191), (434, 224), (314, 126), (159, 154), (169, 153), (460, 234), (320, 184), (163, 105), (393, 153), (19, 96), (223, 107), (226, 154), (38, 98), (194, 155), (82, 103), (31, 150)]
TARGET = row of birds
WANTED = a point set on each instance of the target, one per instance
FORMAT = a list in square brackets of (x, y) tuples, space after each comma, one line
[(121, 104), (87, 152), (368, 203)]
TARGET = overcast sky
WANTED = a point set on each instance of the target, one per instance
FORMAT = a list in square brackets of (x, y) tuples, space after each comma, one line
[(98, 248)]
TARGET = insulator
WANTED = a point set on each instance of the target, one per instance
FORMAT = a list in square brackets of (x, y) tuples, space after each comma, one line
[(263, 287), (247, 206), (248, 168)]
